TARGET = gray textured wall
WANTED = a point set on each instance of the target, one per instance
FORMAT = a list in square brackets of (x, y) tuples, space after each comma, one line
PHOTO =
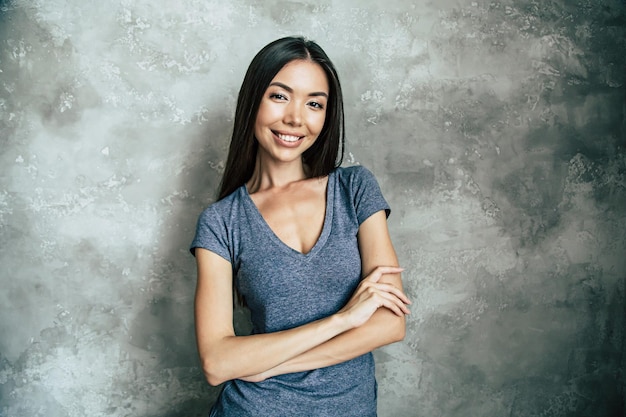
[(496, 129)]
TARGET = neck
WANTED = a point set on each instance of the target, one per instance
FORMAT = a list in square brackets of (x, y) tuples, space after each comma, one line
[(269, 175)]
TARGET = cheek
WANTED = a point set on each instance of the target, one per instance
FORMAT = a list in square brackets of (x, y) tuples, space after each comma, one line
[(261, 115), (264, 117), (320, 123), (316, 122)]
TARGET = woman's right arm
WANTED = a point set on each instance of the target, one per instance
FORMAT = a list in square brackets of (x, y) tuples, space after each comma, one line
[(225, 356)]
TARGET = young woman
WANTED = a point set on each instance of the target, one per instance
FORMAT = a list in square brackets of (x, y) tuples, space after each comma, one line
[(303, 243)]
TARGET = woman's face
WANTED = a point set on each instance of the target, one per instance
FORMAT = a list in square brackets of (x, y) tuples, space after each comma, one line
[(292, 111)]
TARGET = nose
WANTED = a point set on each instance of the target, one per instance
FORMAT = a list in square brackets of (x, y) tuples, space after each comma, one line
[(293, 114)]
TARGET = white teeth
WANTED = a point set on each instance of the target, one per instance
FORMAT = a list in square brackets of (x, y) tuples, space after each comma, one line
[(288, 138)]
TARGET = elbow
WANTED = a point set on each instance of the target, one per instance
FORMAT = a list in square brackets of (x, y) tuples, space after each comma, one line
[(390, 327), (212, 373), (400, 333), (398, 330), (218, 364), (213, 380)]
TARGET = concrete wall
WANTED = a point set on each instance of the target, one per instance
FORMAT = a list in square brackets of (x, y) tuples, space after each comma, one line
[(496, 129)]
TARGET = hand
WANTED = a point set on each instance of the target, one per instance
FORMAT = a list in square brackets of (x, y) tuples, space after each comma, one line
[(371, 295)]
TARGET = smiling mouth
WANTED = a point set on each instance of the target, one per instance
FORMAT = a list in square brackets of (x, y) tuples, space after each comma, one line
[(288, 138)]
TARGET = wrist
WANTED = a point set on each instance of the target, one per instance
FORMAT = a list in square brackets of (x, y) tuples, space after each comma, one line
[(341, 320)]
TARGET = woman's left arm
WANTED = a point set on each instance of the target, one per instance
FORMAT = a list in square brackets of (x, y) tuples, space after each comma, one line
[(383, 327)]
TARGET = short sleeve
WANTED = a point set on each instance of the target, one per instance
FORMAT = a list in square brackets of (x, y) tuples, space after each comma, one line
[(368, 198), (211, 234)]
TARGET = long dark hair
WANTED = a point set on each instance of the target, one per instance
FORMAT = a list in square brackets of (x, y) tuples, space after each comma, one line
[(324, 155)]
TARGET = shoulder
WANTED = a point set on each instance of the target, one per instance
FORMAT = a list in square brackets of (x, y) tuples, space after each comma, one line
[(217, 225), (359, 185), (355, 177), (356, 174), (223, 209)]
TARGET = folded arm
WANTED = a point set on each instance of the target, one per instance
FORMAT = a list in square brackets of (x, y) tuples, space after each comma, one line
[(226, 356), (382, 328), (373, 317)]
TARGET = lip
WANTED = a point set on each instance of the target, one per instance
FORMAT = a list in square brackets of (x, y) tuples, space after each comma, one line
[(285, 143)]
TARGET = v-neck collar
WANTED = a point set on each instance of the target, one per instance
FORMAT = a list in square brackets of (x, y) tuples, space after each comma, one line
[(321, 240)]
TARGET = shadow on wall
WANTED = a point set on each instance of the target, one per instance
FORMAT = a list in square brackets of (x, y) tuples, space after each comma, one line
[(602, 364), (166, 326)]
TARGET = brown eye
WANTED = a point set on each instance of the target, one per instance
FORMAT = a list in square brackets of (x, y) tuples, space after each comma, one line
[(277, 96)]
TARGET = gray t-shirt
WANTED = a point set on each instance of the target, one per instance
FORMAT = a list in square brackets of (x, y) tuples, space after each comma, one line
[(285, 288)]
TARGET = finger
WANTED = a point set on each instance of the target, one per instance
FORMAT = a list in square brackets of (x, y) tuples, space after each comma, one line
[(390, 288), (399, 307), (399, 293), (394, 305), (390, 301), (379, 271)]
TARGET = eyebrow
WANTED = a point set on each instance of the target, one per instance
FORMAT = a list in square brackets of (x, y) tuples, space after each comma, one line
[(289, 89)]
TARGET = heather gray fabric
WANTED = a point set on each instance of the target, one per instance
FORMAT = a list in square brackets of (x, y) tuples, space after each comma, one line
[(285, 288)]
